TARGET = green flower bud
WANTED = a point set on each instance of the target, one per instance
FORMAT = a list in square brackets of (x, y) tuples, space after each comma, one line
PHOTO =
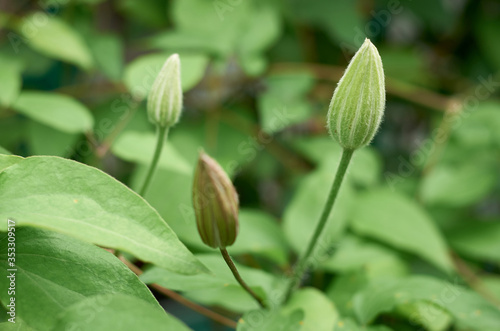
[(358, 103), (165, 98), (215, 204)]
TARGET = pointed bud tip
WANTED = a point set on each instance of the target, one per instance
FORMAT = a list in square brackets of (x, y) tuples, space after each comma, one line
[(358, 103), (165, 98)]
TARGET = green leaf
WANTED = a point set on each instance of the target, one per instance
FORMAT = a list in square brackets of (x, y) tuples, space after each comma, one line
[(460, 185), (8, 160), (55, 110), (218, 287), (478, 240), (320, 312), (4, 151), (275, 320), (259, 233), (93, 207), (45, 140), (116, 312), (365, 167), (10, 80), (108, 52), (142, 72), (139, 147), (55, 271), (53, 37), (397, 221), (303, 212), (468, 309), (354, 253)]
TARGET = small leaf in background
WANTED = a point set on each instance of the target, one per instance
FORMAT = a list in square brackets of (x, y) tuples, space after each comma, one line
[(354, 253), (477, 239), (218, 287), (262, 31), (284, 103), (45, 140), (42, 292), (394, 219), (320, 313), (55, 38), (467, 308), (365, 168), (141, 73), (116, 312), (78, 200), (338, 19), (108, 52), (139, 147), (58, 111), (275, 320), (480, 128), (460, 185), (7, 160), (303, 211), (10, 79), (260, 234)]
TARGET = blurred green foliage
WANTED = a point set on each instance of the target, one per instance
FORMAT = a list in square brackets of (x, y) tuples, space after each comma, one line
[(419, 213)]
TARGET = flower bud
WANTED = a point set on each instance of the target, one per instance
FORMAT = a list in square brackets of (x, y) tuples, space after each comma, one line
[(215, 204), (358, 103), (165, 98)]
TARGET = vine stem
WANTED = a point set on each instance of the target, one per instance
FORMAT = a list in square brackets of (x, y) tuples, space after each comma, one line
[(303, 263), (161, 136), (240, 280)]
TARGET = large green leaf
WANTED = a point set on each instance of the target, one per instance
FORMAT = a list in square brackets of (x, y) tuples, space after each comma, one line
[(53, 37), (82, 201), (139, 147), (397, 221), (8, 160), (142, 72), (116, 312), (55, 110), (218, 287), (55, 271), (467, 308)]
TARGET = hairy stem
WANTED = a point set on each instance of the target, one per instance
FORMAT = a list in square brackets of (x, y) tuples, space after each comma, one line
[(240, 280), (303, 263), (161, 136)]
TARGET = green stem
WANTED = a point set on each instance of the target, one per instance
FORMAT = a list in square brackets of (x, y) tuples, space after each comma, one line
[(161, 135), (303, 263), (240, 280)]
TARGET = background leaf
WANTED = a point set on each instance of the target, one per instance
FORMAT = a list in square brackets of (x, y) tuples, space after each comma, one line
[(55, 110)]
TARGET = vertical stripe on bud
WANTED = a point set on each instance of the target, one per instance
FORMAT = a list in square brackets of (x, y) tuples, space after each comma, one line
[(215, 203), (165, 98), (358, 103)]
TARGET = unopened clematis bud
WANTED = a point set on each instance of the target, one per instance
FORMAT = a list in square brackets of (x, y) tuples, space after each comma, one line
[(358, 103), (215, 203), (165, 98)]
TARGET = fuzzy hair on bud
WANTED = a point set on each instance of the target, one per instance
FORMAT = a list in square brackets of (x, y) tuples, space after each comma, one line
[(215, 203), (165, 98), (358, 103)]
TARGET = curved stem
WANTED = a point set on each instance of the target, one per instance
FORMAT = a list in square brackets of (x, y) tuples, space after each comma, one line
[(240, 280), (303, 263), (161, 135)]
